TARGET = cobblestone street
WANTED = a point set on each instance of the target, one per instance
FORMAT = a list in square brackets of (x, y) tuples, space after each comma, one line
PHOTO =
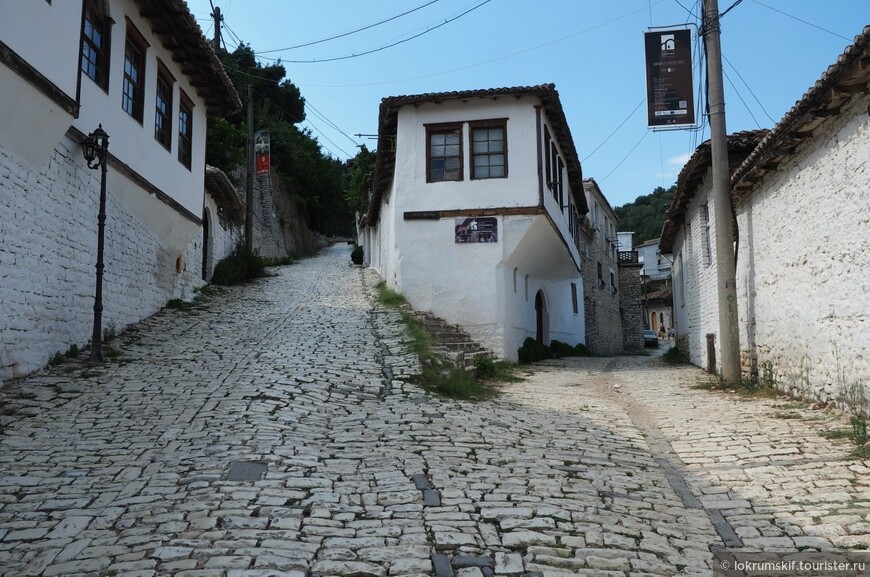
[(269, 432)]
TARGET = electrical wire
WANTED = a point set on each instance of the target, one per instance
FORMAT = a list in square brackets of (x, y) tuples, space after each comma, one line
[(331, 124), (740, 96), (727, 10), (645, 134), (386, 46), (312, 43), (748, 88), (804, 21), (621, 124), (490, 61), (308, 120)]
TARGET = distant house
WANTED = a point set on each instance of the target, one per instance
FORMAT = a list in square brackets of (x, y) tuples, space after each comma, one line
[(477, 210), (655, 267), (143, 70), (689, 235), (803, 214), (659, 311)]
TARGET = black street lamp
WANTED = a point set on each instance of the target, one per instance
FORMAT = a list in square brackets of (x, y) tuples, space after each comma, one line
[(96, 149)]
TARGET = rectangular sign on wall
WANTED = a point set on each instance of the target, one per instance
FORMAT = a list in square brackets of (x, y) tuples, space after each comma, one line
[(669, 86), (479, 229)]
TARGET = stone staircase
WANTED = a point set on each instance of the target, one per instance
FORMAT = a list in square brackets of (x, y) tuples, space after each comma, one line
[(451, 341)]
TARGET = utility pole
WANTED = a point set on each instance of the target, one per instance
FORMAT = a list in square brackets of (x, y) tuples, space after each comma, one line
[(249, 188), (729, 335), (216, 43)]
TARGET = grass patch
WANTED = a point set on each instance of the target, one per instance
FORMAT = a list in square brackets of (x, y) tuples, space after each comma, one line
[(792, 406), (388, 297), (486, 369), (56, 359), (111, 353), (438, 374), (675, 356), (786, 415), (861, 453)]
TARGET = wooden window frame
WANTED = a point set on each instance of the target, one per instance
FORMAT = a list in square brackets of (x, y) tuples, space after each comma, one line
[(133, 90), (476, 125), (163, 106), (185, 139), (96, 15), (447, 127)]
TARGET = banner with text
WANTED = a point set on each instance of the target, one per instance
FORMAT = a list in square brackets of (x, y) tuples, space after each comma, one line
[(669, 85)]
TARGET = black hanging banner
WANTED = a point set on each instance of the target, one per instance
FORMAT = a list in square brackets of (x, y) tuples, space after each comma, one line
[(669, 85)]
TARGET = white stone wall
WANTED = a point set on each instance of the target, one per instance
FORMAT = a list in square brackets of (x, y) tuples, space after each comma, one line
[(803, 275), (697, 312), (48, 222)]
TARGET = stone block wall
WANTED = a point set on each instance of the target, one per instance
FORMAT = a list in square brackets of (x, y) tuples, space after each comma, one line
[(601, 307), (631, 306), (802, 275), (48, 223)]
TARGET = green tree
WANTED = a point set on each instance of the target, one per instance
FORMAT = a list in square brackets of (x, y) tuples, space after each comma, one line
[(646, 215), (312, 178), (358, 180)]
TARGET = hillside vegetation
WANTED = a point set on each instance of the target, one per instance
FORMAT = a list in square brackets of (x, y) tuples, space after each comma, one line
[(312, 179), (646, 215)]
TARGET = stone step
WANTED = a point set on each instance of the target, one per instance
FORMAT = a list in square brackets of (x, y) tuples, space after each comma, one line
[(452, 340), (450, 337)]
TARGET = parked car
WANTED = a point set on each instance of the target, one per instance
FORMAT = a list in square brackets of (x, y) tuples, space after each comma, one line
[(650, 339)]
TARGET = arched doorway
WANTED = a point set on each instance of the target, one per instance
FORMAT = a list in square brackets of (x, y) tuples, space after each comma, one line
[(542, 319), (206, 242), (653, 322)]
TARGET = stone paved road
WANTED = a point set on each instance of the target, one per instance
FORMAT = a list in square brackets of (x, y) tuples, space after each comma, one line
[(270, 433)]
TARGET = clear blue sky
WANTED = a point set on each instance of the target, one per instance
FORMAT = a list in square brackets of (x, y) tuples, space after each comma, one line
[(591, 50)]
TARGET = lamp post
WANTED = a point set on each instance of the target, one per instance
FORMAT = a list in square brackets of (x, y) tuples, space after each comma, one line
[(95, 149)]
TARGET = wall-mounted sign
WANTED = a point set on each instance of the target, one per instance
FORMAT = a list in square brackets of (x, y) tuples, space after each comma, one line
[(669, 87), (479, 229), (261, 152)]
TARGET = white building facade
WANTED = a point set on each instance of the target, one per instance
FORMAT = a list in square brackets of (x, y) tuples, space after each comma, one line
[(475, 213), (689, 236), (803, 213), (142, 70)]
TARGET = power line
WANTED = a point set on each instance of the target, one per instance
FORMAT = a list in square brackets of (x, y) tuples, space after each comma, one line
[(323, 117), (740, 96), (621, 124), (372, 51), (645, 133), (308, 120), (312, 43), (727, 10), (496, 59), (748, 88), (804, 21)]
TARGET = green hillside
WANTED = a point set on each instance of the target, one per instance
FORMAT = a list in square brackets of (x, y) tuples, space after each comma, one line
[(646, 215)]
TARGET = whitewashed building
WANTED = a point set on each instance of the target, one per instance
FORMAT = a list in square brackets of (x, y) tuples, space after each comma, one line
[(143, 71), (802, 200), (476, 211), (689, 236)]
